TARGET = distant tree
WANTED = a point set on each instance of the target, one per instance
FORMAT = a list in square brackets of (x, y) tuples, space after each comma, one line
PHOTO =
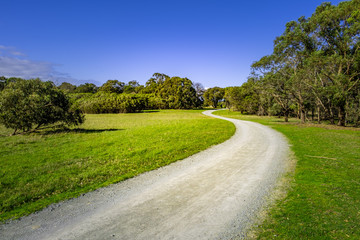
[(132, 87), (112, 86), (154, 84), (2, 82), (5, 81), (200, 90), (213, 96), (67, 87), (29, 104), (86, 88)]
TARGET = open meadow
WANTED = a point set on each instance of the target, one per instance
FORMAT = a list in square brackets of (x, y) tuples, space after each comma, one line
[(324, 193), (37, 169)]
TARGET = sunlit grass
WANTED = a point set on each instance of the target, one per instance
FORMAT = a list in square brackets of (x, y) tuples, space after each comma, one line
[(41, 168), (324, 199)]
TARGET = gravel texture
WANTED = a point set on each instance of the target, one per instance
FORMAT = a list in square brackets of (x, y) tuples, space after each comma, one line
[(214, 194)]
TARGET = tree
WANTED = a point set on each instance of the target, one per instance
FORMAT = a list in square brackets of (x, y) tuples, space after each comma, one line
[(213, 96), (86, 88), (67, 87), (132, 87), (112, 86), (337, 30), (315, 64), (154, 84), (243, 99), (200, 90), (29, 104), (3, 82), (178, 93)]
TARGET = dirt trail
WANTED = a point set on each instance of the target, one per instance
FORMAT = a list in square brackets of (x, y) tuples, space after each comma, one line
[(210, 195)]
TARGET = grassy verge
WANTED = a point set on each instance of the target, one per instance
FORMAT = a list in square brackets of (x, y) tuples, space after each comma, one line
[(323, 201), (45, 167)]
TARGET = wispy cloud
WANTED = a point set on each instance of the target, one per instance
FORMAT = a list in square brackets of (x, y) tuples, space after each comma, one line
[(14, 63)]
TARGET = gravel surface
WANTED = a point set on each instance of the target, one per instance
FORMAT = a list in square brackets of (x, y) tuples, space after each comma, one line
[(214, 194)]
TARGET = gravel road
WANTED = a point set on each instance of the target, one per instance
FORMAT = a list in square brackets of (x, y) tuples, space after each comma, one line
[(214, 194)]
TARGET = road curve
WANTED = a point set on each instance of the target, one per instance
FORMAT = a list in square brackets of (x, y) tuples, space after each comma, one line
[(211, 195)]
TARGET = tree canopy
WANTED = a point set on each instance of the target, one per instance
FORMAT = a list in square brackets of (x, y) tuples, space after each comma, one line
[(314, 67), (29, 104)]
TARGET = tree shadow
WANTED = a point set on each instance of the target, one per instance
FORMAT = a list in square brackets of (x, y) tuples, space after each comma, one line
[(77, 130), (149, 111)]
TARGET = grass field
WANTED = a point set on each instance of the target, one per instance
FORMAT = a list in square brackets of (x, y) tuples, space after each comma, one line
[(323, 200), (45, 167)]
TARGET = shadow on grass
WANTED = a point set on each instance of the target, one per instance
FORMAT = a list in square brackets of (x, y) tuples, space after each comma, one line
[(149, 111), (77, 130)]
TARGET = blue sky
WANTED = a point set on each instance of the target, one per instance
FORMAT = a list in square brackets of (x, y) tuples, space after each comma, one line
[(213, 42)]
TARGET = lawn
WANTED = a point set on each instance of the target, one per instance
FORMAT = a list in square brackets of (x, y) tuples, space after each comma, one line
[(323, 200), (41, 168)]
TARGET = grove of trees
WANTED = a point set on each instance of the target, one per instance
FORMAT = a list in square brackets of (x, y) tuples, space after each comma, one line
[(314, 70), (159, 92)]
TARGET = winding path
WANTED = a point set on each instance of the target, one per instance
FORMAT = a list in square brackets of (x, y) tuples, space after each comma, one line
[(211, 195)]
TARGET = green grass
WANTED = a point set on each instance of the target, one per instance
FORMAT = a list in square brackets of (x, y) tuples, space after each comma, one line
[(41, 168), (323, 201)]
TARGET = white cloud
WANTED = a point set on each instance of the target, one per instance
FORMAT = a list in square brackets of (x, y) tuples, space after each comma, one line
[(14, 64)]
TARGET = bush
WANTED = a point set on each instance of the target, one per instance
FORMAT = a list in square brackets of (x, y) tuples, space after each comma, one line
[(113, 103)]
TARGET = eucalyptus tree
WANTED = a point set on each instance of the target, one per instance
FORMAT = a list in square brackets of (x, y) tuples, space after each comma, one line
[(292, 49), (337, 31), (276, 79)]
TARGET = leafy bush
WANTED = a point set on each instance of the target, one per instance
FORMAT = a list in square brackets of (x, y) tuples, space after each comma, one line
[(112, 103)]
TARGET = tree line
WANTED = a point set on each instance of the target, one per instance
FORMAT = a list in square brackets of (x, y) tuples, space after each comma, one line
[(26, 105), (159, 92), (313, 72)]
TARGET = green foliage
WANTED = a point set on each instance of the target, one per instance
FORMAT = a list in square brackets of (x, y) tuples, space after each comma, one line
[(213, 96), (112, 86), (315, 65), (244, 99), (171, 93), (41, 168), (28, 103), (324, 196), (2, 82), (112, 103), (67, 87), (132, 87), (86, 88), (160, 92)]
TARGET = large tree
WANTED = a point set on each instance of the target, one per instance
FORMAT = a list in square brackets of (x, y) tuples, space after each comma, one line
[(112, 86), (213, 96), (29, 104)]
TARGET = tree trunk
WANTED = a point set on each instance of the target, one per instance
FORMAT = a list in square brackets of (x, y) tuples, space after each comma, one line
[(302, 112), (286, 115), (341, 115), (319, 115), (312, 114), (332, 120)]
